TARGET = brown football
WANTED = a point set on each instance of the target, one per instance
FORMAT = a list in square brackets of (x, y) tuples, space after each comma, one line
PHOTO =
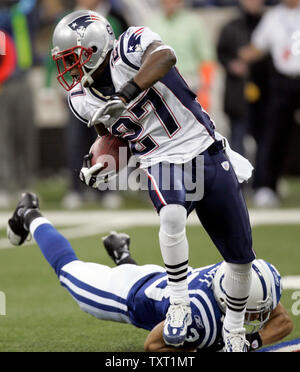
[(113, 152)]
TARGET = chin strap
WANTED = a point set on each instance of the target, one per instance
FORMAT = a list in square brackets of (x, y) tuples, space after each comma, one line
[(87, 79)]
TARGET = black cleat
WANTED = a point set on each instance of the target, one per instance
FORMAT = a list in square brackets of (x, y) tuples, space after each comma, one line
[(17, 230), (117, 246)]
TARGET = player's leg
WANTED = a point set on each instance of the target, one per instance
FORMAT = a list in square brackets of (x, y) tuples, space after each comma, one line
[(84, 281), (175, 250), (98, 289), (175, 253), (224, 215), (168, 196), (27, 218)]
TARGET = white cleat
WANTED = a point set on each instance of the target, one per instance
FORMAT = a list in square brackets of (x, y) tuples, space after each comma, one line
[(235, 341), (178, 318)]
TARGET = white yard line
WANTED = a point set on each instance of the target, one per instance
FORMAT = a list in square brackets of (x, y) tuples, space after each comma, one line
[(291, 282), (78, 224), (144, 217)]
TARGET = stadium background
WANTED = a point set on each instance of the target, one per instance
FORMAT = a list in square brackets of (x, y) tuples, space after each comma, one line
[(39, 315)]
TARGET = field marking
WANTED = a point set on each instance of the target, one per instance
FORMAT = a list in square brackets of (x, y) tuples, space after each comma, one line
[(80, 224), (291, 282)]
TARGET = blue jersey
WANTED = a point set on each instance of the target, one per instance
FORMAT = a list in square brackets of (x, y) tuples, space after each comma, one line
[(139, 295), (148, 303)]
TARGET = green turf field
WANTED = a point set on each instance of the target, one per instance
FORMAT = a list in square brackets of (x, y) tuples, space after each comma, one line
[(41, 316)]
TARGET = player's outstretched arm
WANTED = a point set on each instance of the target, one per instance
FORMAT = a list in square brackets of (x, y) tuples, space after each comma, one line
[(155, 342), (279, 326)]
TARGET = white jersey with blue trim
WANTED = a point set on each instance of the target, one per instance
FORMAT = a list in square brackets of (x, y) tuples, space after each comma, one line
[(165, 122)]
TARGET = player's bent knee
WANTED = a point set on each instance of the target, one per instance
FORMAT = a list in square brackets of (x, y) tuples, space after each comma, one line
[(173, 219), (171, 240)]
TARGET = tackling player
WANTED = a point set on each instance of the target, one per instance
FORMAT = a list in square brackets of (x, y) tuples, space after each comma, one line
[(131, 87), (139, 295)]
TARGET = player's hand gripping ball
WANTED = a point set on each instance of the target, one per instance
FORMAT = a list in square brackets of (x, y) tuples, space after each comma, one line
[(107, 156)]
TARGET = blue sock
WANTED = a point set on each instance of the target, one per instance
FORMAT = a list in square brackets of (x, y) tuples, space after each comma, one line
[(56, 248)]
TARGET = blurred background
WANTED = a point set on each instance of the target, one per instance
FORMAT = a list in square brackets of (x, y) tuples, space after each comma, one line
[(224, 52)]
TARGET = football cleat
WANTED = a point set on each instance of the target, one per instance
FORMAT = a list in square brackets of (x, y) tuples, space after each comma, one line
[(178, 318), (17, 231), (235, 341), (117, 246)]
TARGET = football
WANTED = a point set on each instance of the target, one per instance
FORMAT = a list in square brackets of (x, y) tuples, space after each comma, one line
[(113, 152)]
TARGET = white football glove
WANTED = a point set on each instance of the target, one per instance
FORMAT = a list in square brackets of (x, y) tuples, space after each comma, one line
[(92, 175), (108, 114)]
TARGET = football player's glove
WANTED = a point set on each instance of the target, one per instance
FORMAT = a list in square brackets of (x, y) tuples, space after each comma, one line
[(255, 341), (91, 175), (117, 246), (108, 114)]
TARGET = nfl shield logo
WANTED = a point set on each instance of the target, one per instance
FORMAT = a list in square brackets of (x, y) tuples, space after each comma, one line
[(225, 165)]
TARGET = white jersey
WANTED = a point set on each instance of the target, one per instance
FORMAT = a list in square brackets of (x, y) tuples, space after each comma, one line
[(165, 122), (274, 34)]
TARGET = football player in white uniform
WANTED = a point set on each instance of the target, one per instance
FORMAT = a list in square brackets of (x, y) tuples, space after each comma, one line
[(131, 87), (139, 295)]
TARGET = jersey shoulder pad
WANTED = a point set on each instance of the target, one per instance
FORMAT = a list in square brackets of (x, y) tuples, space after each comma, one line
[(135, 41)]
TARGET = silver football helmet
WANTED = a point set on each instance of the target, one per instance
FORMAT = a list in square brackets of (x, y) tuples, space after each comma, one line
[(259, 304), (81, 40)]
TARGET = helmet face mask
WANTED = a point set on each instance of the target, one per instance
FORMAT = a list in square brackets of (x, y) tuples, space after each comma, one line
[(67, 61), (255, 319), (87, 38), (254, 325)]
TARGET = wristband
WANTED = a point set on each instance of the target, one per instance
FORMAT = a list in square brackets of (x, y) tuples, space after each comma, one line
[(129, 91), (254, 340)]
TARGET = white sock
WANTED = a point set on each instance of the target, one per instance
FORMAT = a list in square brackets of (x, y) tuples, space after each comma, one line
[(38, 222), (237, 282), (175, 251)]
